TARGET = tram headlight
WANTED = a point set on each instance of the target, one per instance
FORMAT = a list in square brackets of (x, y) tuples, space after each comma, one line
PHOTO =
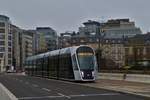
[(93, 74), (82, 74)]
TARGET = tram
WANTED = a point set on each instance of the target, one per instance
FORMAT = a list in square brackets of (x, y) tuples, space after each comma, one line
[(77, 63)]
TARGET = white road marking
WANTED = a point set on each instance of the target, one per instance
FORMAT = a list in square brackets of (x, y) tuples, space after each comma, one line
[(69, 97), (20, 80), (60, 94), (43, 97), (64, 95), (86, 95), (26, 82), (5, 91), (46, 89), (34, 85)]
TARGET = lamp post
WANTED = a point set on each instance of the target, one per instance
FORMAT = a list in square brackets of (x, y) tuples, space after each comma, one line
[(101, 36), (145, 64)]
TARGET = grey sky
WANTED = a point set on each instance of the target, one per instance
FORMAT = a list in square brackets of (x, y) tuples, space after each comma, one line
[(68, 15)]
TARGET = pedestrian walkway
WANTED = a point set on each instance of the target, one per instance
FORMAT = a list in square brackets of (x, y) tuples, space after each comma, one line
[(142, 89)]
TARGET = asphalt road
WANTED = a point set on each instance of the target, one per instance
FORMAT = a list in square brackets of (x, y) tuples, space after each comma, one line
[(33, 88)]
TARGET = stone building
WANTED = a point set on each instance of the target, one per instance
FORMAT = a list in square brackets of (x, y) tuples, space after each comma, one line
[(107, 39), (112, 53), (137, 50)]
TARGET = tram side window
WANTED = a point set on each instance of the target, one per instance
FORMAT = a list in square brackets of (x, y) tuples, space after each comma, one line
[(41, 64), (29, 63), (52, 63), (55, 66), (74, 62), (64, 62), (32, 64), (38, 64), (26, 64), (45, 63), (61, 64)]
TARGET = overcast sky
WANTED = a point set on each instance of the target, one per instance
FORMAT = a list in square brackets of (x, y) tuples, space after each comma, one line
[(68, 15)]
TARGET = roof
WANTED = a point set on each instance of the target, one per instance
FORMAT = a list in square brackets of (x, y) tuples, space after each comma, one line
[(55, 52), (91, 22)]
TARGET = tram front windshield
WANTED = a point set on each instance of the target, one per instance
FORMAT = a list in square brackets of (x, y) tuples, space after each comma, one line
[(86, 61)]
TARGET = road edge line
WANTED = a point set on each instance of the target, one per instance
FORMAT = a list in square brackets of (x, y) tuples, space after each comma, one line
[(8, 93), (120, 91)]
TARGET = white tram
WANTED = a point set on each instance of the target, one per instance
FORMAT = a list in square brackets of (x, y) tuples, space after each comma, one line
[(77, 63)]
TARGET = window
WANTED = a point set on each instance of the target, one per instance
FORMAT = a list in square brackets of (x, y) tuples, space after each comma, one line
[(2, 30), (127, 51), (2, 49), (9, 55), (82, 40), (9, 37), (2, 42), (9, 61), (147, 50), (90, 40), (2, 36), (9, 43), (85, 58), (2, 24), (138, 51), (97, 40), (9, 49), (1, 55), (107, 41), (86, 61)]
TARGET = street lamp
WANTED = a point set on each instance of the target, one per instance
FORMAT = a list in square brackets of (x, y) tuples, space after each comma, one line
[(145, 64), (101, 36)]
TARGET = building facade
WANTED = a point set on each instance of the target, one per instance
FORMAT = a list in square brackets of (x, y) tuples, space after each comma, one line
[(47, 39), (137, 51), (26, 46), (35, 36), (120, 28), (5, 43), (113, 54), (90, 28), (64, 40), (16, 47)]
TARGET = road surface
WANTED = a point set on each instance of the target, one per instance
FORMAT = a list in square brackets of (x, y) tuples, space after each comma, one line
[(33, 88)]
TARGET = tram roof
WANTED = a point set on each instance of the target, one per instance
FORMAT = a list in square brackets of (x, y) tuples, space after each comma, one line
[(55, 52)]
